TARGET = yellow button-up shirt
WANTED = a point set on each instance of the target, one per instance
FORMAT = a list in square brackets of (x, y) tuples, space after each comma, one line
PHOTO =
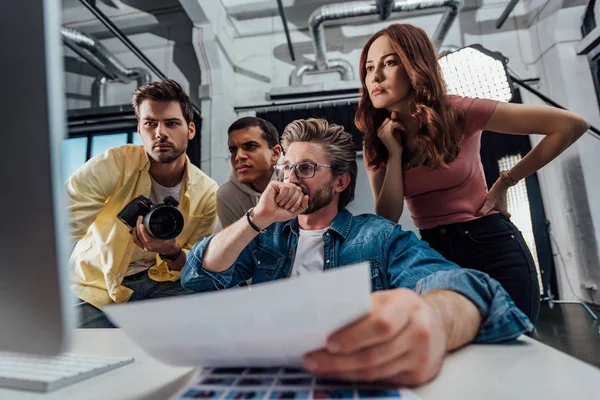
[(104, 248)]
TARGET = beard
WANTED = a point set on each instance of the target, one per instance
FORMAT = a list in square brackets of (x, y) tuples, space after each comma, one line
[(320, 198), (167, 157)]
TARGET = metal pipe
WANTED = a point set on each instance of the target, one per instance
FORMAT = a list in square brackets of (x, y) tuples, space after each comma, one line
[(100, 85), (453, 8), (96, 54), (298, 73), (99, 90), (333, 12), (504, 16), (551, 301), (141, 75), (285, 28), (93, 61), (343, 67), (385, 8), (117, 32), (90, 49), (117, 71)]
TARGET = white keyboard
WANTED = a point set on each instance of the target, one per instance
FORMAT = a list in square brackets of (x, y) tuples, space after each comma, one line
[(44, 374)]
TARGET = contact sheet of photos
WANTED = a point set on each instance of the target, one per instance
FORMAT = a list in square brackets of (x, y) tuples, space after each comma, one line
[(279, 384)]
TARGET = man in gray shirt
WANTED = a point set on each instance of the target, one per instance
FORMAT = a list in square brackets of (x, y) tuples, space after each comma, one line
[(255, 150)]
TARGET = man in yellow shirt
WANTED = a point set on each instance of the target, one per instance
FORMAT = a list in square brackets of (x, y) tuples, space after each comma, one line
[(110, 263)]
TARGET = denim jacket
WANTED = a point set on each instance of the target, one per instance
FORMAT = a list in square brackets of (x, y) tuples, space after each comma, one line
[(397, 259)]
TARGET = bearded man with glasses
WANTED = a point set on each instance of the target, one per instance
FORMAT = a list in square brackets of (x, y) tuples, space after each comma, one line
[(423, 305)]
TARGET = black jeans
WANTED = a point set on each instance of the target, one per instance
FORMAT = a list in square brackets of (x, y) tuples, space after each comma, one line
[(492, 244), (143, 288)]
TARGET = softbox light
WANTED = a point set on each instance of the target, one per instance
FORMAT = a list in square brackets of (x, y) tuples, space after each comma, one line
[(474, 71)]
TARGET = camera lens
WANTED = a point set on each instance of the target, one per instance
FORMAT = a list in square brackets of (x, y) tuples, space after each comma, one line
[(164, 222)]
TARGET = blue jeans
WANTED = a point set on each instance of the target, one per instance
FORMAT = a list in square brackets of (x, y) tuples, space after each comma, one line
[(143, 288), (494, 245)]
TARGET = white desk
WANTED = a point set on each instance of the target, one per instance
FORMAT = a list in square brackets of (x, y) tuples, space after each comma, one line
[(525, 369)]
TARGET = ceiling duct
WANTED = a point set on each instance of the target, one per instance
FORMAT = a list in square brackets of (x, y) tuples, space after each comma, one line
[(97, 55), (383, 8)]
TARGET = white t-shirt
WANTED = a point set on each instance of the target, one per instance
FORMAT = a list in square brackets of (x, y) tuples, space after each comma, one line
[(142, 260), (309, 253)]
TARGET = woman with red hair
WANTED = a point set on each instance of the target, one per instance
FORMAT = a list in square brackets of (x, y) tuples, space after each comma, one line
[(422, 145)]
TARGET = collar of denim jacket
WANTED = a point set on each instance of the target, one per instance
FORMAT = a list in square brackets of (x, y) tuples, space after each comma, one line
[(341, 224)]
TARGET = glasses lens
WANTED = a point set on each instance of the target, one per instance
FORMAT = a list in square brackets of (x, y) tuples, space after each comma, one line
[(283, 169), (305, 170)]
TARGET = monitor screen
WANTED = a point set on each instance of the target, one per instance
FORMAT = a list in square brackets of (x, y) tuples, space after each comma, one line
[(36, 312)]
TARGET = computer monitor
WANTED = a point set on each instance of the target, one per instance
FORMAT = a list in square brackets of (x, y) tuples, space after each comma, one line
[(36, 312)]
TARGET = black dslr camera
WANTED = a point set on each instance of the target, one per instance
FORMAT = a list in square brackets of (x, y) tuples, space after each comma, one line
[(162, 221)]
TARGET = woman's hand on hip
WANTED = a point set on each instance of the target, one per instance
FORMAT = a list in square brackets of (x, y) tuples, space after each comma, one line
[(495, 200)]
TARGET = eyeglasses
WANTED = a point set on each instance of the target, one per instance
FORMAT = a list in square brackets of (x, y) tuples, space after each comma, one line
[(303, 170)]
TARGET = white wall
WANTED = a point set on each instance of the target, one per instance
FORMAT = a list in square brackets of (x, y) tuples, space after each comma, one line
[(569, 185)]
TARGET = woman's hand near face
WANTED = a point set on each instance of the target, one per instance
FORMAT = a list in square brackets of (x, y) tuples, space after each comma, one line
[(389, 133), (387, 182)]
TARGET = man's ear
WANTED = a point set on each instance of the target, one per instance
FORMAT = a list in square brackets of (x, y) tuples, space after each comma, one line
[(138, 130), (342, 182), (191, 131), (276, 154)]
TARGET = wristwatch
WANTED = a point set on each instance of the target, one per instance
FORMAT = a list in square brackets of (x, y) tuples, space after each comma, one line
[(173, 257)]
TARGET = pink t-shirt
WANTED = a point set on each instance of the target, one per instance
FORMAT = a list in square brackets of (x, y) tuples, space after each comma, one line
[(455, 194)]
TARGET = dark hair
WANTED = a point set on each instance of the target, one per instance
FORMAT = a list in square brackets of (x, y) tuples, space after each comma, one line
[(168, 90), (270, 134), (338, 144), (440, 119)]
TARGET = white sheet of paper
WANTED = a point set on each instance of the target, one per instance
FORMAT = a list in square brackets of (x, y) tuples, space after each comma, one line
[(274, 323)]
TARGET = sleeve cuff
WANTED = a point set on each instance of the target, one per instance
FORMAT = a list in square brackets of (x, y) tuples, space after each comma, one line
[(501, 319), (194, 271)]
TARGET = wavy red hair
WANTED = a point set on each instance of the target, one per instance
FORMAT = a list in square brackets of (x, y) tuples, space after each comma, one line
[(440, 119)]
